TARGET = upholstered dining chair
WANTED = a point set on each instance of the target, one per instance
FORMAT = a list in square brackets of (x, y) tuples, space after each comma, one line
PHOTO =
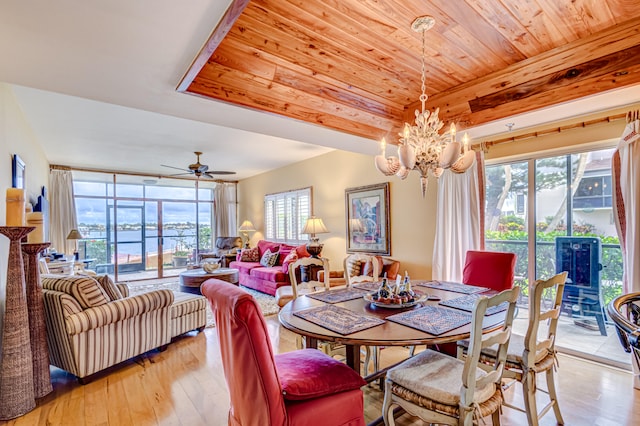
[(529, 355), (302, 387), (491, 269), (446, 390)]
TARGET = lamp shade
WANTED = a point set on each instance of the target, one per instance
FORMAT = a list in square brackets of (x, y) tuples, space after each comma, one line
[(314, 226), (247, 226), (74, 235)]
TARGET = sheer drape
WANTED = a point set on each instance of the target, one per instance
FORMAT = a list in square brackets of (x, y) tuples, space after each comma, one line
[(458, 222), (626, 180), (225, 210), (62, 210)]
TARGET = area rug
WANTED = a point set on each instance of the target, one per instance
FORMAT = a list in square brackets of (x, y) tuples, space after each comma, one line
[(267, 303)]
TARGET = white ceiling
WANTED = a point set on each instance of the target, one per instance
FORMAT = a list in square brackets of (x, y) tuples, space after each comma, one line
[(96, 82)]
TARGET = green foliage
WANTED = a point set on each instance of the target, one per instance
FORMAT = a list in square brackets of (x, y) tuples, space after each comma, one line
[(204, 237), (515, 241), (97, 249)]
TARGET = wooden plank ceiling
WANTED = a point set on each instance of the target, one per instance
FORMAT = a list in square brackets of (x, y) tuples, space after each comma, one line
[(354, 65)]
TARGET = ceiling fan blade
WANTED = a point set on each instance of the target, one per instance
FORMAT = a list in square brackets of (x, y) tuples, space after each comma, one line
[(220, 172), (177, 168)]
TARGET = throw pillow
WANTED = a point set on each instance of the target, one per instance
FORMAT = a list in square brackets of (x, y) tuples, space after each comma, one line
[(250, 255), (309, 373), (83, 288), (291, 258), (109, 287), (269, 259)]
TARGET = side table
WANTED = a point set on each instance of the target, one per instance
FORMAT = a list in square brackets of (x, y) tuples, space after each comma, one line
[(190, 281)]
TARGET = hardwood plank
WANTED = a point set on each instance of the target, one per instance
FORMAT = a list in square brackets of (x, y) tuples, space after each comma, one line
[(454, 103), (620, 61), (219, 33), (589, 393), (237, 46)]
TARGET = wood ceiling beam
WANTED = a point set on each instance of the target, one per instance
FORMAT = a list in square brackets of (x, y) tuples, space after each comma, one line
[(585, 67), (234, 11)]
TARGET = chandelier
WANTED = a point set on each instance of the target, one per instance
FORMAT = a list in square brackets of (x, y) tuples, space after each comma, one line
[(422, 147)]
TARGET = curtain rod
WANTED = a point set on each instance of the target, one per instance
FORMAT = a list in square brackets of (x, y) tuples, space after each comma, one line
[(560, 129), (111, 172)]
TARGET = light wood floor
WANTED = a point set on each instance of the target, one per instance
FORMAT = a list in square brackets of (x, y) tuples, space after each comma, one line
[(185, 385)]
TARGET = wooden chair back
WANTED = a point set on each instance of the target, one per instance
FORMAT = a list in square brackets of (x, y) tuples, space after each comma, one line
[(479, 341), (360, 278), (533, 347), (301, 287)]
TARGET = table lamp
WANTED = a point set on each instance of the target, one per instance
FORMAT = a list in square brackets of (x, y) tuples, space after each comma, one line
[(244, 229), (75, 235), (314, 226)]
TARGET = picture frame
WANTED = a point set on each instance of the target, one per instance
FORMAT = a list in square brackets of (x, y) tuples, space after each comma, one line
[(18, 179), (367, 214)]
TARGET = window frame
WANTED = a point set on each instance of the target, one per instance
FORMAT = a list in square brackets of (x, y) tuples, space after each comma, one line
[(286, 226)]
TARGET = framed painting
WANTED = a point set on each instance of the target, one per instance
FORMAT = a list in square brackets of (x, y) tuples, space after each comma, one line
[(368, 219), (18, 178)]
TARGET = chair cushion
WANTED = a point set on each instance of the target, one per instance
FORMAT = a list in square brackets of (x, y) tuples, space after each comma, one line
[(284, 295), (244, 267), (309, 373), (437, 377), (250, 255), (109, 287), (83, 288), (269, 258)]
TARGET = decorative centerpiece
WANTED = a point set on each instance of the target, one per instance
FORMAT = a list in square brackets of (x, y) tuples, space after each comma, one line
[(210, 265), (400, 296)]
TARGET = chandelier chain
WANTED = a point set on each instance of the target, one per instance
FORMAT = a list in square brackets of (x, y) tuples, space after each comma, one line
[(423, 75)]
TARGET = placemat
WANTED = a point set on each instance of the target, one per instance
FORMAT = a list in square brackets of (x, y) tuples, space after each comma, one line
[(432, 319), (337, 296), (338, 320), (455, 287), (368, 286), (466, 304)]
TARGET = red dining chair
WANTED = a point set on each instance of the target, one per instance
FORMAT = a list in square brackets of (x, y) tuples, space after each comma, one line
[(303, 387), (491, 269)]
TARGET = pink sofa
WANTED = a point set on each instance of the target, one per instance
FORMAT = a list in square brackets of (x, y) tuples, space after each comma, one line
[(262, 278)]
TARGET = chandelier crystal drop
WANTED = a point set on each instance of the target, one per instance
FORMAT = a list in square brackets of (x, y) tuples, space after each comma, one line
[(422, 147)]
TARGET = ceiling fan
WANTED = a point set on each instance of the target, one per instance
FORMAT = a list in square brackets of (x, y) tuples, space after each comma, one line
[(198, 169)]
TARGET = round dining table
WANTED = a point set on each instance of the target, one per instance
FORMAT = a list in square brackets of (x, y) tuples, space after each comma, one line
[(388, 333)]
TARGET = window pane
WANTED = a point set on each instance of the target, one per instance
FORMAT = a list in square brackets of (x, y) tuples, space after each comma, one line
[(551, 210), (505, 220)]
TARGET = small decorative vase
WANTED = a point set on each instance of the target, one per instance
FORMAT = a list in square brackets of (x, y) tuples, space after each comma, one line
[(16, 366), (37, 317)]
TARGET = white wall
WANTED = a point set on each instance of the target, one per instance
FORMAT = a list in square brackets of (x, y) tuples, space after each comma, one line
[(16, 137)]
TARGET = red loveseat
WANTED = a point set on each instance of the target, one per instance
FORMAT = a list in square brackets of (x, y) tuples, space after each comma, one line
[(262, 278)]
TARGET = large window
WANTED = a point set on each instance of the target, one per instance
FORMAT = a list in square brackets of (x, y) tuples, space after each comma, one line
[(144, 228), (542, 207), (285, 214)]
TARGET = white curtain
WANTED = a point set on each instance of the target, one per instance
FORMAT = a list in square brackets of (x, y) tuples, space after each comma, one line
[(62, 212), (458, 223), (626, 181), (225, 210)]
